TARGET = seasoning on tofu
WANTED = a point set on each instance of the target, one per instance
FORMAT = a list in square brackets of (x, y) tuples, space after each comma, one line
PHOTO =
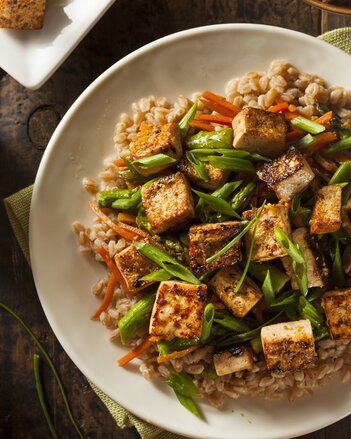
[(260, 131), (337, 308), (265, 246), (22, 14), (326, 215), (134, 266), (287, 175), (207, 239), (151, 140), (178, 310), (216, 176), (289, 346), (233, 360), (168, 202), (241, 302)]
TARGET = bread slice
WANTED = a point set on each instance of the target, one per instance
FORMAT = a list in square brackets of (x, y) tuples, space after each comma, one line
[(22, 14)]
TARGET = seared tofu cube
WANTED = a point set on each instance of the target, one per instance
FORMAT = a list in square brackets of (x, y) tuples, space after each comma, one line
[(151, 140), (260, 131), (241, 302), (216, 177), (134, 266), (287, 175), (317, 270), (289, 346), (326, 216), (206, 239), (233, 360), (337, 308), (168, 202), (22, 14), (178, 310), (265, 246)]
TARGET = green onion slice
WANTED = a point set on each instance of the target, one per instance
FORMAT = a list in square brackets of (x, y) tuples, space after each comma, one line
[(198, 166), (188, 116), (154, 161)]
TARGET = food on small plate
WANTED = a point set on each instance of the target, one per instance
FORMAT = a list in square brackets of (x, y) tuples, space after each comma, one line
[(22, 14), (224, 224)]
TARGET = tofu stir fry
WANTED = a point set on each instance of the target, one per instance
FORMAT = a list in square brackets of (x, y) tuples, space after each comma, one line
[(238, 231)]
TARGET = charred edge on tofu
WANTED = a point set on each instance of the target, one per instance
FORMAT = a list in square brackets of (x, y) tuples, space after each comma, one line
[(282, 167), (294, 352), (318, 255), (236, 351)]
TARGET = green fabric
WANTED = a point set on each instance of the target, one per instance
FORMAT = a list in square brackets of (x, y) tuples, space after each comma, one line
[(17, 207)]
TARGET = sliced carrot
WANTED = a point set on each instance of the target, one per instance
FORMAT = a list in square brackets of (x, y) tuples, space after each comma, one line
[(216, 107), (126, 218), (321, 140), (284, 106), (295, 134), (292, 108), (214, 118), (279, 101), (110, 288), (325, 118), (291, 115), (176, 354), (201, 125), (137, 351), (222, 102), (120, 163)]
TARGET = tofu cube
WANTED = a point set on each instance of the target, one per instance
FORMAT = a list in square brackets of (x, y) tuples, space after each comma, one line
[(260, 131), (168, 202), (133, 266), (265, 246), (326, 215), (337, 308), (151, 140), (178, 310), (216, 176), (287, 175), (289, 346), (317, 270), (240, 303), (206, 239), (233, 360), (22, 14)]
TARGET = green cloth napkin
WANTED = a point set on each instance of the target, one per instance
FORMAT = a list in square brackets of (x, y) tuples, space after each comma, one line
[(17, 207)]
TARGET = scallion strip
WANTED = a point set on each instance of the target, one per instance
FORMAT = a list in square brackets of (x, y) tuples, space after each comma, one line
[(157, 276), (198, 166), (307, 125), (305, 142), (188, 116), (341, 145), (309, 312), (154, 161), (217, 204), (230, 322), (278, 278), (207, 321), (268, 289), (288, 246), (232, 164), (342, 174), (189, 404)]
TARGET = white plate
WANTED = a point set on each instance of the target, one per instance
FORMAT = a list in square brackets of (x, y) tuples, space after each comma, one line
[(32, 56), (203, 58)]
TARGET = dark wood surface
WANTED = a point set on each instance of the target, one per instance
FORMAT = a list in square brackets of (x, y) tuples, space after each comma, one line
[(27, 120)]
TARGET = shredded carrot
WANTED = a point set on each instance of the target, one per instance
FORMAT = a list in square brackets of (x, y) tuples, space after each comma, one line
[(295, 134), (137, 351), (110, 288), (120, 163), (216, 107), (325, 118), (201, 125), (126, 218), (321, 140), (279, 100), (221, 101), (124, 230), (292, 108), (279, 107), (214, 118), (176, 354), (291, 115)]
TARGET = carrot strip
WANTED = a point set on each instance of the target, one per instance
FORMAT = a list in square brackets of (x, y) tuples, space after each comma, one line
[(201, 125), (107, 297), (220, 100), (216, 107), (124, 230), (284, 106), (291, 115), (120, 163), (292, 108), (137, 351), (325, 118), (126, 218), (321, 140), (176, 354), (295, 134), (279, 101), (214, 118)]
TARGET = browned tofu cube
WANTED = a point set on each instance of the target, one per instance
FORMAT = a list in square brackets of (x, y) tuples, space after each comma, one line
[(216, 177), (337, 308), (134, 266), (265, 246), (317, 270), (178, 310), (287, 175), (241, 302), (233, 360), (151, 140), (22, 14), (206, 239), (289, 346), (260, 131), (326, 216), (168, 202)]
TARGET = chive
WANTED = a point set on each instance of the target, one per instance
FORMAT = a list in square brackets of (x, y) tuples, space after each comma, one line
[(198, 166), (217, 204), (307, 125), (305, 142), (211, 140), (230, 322), (51, 364), (41, 396), (278, 278), (154, 161), (188, 116), (288, 246), (189, 404), (166, 262), (232, 164), (230, 152), (207, 321), (341, 145), (157, 276), (267, 289), (309, 312), (237, 237), (338, 274), (342, 174)]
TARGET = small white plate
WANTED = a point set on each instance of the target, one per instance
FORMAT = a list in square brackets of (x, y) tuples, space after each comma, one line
[(32, 56), (194, 60)]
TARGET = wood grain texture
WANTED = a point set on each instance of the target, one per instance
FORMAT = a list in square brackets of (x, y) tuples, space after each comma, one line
[(27, 120)]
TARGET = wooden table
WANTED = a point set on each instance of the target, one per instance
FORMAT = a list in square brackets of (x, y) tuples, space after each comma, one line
[(27, 120)]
